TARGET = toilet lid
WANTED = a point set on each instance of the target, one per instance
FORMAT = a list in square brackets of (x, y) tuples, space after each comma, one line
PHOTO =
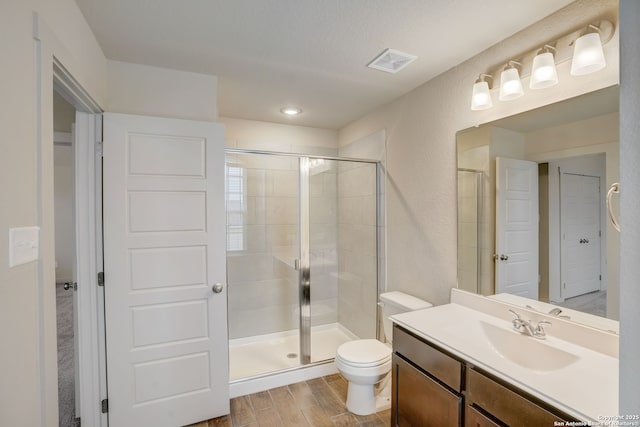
[(364, 352)]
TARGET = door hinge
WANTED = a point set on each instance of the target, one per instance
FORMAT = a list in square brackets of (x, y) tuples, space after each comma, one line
[(564, 285), (99, 148), (601, 277), (104, 405), (599, 233), (101, 278)]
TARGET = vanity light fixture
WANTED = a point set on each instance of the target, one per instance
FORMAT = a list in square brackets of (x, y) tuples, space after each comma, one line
[(543, 71), (291, 111), (588, 56), (583, 47), (510, 84), (481, 96)]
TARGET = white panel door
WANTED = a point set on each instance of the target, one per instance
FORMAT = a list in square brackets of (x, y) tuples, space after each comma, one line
[(164, 249), (517, 227), (580, 228)]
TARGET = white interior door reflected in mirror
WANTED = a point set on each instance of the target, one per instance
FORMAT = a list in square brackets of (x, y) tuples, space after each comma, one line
[(580, 243), (517, 227)]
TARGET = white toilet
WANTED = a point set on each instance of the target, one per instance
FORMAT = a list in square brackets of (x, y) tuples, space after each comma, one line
[(365, 363)]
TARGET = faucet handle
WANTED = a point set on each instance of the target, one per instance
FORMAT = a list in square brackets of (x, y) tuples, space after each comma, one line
[(555, 311), (539, 330), (515, 314), (518, 323)]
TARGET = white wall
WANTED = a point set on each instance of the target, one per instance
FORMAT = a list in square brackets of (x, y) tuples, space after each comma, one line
[(421, 156), (264, 136), (153, 91), (28, 383), (630, 208), (64, 211), (64, 114)]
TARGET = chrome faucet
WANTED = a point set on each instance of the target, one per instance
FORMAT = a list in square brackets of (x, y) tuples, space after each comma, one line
[(526, 327), (553, 312)]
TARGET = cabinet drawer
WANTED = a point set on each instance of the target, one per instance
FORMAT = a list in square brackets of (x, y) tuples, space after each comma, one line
[(506, 405), (443, 367), (473, 418), (418, 400)]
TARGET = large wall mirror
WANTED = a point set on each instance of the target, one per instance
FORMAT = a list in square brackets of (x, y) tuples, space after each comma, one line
[(532, 213)]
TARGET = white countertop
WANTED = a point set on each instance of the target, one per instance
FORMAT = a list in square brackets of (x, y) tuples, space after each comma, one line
[(586, 389)]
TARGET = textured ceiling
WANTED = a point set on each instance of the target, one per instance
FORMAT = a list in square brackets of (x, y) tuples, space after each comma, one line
[(309, 53)]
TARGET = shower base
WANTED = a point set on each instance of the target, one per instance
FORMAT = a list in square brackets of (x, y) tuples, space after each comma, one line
[(264, 354)]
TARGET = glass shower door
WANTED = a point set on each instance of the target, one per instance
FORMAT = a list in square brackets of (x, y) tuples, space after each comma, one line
[(262, 195), (302, 259), (343, 254)]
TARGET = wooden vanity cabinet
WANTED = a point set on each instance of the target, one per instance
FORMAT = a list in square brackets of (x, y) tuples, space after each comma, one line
[(426, 384), (475, 418), (433, 388), (507, 406), (419, 400)]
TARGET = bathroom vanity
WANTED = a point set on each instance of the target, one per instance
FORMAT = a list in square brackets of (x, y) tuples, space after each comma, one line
[(462, 364), (431, 387)]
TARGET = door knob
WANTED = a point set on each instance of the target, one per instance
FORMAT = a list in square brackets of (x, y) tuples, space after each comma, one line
[(504, 257), (217, 288), (68, 286)]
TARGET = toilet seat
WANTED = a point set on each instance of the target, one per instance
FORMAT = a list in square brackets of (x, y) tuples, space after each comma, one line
[(363, 353)]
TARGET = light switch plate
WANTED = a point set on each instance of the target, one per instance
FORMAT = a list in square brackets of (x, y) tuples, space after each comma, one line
[(23, 245)]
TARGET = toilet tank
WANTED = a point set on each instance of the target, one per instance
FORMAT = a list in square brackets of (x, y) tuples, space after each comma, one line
[(398, 302)]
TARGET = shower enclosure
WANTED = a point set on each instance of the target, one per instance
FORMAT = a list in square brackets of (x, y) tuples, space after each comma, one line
[(302, 258), (470, 229)]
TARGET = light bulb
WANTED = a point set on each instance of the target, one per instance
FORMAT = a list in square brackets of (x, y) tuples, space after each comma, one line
[(481, 97), (588, 56), (543, 72), (510, 85), (291, 111)]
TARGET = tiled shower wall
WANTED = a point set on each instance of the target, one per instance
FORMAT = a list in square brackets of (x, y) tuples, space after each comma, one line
[(361, 234), (357, 248), (262, 290), (323, 212), (468, 224)]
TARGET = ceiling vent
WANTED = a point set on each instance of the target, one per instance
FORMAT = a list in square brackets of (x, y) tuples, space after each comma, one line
[(391, 61)]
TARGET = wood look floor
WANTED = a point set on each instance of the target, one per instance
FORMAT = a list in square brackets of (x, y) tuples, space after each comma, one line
[(317, 402)]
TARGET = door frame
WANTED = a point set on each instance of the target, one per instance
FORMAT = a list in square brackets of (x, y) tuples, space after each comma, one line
[(88, 240), (49, 73)]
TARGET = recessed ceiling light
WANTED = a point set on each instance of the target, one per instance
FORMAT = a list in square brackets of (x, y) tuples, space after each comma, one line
[(291, 111), (391, 61)]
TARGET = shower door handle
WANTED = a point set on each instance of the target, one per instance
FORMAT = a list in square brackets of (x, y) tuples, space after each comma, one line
[(217, 288)]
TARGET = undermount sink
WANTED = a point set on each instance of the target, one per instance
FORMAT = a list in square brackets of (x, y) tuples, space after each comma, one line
[(526, 351)]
